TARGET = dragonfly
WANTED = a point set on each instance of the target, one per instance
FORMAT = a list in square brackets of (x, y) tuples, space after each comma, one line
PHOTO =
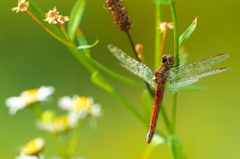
[(168, 76)]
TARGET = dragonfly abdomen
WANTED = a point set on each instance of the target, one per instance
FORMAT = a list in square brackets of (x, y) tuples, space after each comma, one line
[(159, 92)]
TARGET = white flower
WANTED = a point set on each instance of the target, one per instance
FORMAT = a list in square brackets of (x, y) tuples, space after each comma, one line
[(62, 19), (22, 6), (80, 107), (27, 98), (55, 124), (33, 147), (164, 26), (51, 16)]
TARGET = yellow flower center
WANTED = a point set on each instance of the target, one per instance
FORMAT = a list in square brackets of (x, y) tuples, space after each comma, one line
[(29, 96), (34, 147), (60, 124), (82, 103)]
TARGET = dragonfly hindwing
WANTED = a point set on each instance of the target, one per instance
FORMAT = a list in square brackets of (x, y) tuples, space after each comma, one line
[(133, 65)]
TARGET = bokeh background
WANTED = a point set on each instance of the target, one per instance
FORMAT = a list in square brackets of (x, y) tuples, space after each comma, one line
[(207, 121)]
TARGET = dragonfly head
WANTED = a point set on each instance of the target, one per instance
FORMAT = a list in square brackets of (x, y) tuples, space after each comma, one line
[(168, 59)]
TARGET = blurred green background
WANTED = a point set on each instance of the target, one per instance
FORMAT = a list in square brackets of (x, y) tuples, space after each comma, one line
[(207, 121)]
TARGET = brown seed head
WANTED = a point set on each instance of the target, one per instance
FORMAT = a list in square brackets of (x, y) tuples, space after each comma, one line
[(119, 14)]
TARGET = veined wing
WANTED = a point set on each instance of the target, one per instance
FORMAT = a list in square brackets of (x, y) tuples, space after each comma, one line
[(197, 67), (176, 84), (133, 65)]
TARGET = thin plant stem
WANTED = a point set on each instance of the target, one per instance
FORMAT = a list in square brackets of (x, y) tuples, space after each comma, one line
[(57, 144), (45, 28), (133, 46), (36, 110), (75, 139), (165, 119), (175, 32), (158, 36), (174, 111), (176, 55), (64, 31), (162, 43)]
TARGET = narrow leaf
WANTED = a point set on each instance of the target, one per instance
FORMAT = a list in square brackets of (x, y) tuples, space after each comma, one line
[(161, 1), (146, 104), (82, 40), (188, 32), (88, 46), (99, 80), (176, 147), (75, 18)]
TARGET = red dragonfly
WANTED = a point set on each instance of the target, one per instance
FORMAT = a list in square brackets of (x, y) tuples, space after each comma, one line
[(173, 77)]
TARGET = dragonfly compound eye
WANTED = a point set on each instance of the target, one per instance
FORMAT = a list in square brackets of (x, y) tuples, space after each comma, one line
[(170, 59)]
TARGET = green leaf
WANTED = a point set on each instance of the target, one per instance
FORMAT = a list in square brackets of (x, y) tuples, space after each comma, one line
[(82, 40), (75, 18), (187, 32), (147, 104), (192, 88), (88, 46), (41, 15), (99, 80), (161, 1), (176, 147)]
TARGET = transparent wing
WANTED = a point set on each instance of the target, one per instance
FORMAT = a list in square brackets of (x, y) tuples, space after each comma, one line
[(197, 67), (133, 65), (174, 85)]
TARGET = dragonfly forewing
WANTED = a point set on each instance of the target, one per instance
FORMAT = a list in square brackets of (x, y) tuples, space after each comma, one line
[(133, 65), (197, 67), (180, 82)]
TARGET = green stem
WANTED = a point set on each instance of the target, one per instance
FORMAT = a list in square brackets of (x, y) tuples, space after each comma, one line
[(58, 145), (37, 111), (174, 110), (176, 52), (175, 32), (165, 119), (64, 31), (75, 139), (158, 35)]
